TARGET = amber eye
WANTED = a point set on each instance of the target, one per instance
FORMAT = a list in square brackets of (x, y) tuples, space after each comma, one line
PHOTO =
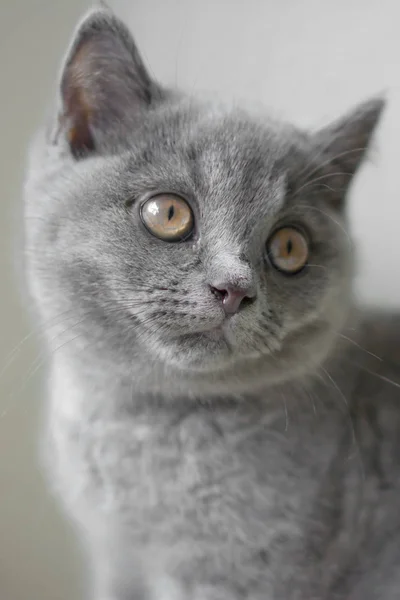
[(288, 250), (168, 217)]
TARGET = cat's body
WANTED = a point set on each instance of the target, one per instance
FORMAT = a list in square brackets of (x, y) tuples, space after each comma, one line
[(292, 493), (210, 448)]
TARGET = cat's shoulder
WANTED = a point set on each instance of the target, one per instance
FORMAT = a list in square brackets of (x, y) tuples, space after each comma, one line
[(380, 335), (376, 358)]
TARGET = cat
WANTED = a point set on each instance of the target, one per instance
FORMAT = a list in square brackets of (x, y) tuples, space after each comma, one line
[(223, 417)]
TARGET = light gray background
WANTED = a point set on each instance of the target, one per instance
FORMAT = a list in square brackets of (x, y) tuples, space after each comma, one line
[(306, 59)]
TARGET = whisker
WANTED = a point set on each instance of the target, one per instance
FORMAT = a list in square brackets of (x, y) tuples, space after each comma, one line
[(321, 178), (286, 411), (378, 375), (335, 386), (37, 331), (317, 266), (37, 363), (43, 356), (359, 346), (355, 441), (326, 214), (328, 161)]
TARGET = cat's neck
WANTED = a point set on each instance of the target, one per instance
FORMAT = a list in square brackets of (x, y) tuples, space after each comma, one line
[(106, 376), (98, 383)]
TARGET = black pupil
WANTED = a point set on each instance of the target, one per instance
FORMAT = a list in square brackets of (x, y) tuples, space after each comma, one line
[(289, 246), (171, 212)]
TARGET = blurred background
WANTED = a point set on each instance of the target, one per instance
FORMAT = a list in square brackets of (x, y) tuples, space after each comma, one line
[(308, 60)]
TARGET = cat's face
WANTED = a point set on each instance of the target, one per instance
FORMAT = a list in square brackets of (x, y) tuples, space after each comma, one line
[(205, 238)]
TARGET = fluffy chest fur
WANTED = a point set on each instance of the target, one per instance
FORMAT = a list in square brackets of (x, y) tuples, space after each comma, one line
[(212, 489)]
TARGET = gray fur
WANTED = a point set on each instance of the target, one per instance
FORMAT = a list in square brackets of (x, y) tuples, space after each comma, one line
[(262, 464)]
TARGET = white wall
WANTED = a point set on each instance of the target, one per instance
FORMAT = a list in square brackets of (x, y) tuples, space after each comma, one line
[(38, 559), (307, 59)]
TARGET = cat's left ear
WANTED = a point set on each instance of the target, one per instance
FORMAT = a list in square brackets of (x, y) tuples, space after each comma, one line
[(343, 145), (104, 84)]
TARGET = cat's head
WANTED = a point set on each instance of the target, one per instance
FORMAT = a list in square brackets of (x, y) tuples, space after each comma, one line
[(211, 240)]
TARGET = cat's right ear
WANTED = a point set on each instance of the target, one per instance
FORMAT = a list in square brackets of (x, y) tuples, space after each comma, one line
[(104, 84)]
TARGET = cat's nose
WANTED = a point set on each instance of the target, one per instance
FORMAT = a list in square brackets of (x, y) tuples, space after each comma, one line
[(232, 297)]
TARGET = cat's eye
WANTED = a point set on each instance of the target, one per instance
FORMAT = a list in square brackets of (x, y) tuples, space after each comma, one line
[(168, 217), (288, 250)]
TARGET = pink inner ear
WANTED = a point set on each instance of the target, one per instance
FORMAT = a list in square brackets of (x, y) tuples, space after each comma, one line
[(104, 84), (78, 129), (78, 110)]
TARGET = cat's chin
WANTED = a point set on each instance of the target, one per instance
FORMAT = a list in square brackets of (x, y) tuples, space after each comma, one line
[(211, 365), (207, 354), (199, 352), (214, 350)]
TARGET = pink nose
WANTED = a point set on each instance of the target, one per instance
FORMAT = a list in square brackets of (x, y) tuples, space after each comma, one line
[(233, 297)]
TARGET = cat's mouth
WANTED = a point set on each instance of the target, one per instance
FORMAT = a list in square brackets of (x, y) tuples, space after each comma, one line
[(222, 331), (215, 333), (215, 341)]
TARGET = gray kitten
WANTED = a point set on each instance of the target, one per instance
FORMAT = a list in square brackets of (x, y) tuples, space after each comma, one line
[(224, 422)]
